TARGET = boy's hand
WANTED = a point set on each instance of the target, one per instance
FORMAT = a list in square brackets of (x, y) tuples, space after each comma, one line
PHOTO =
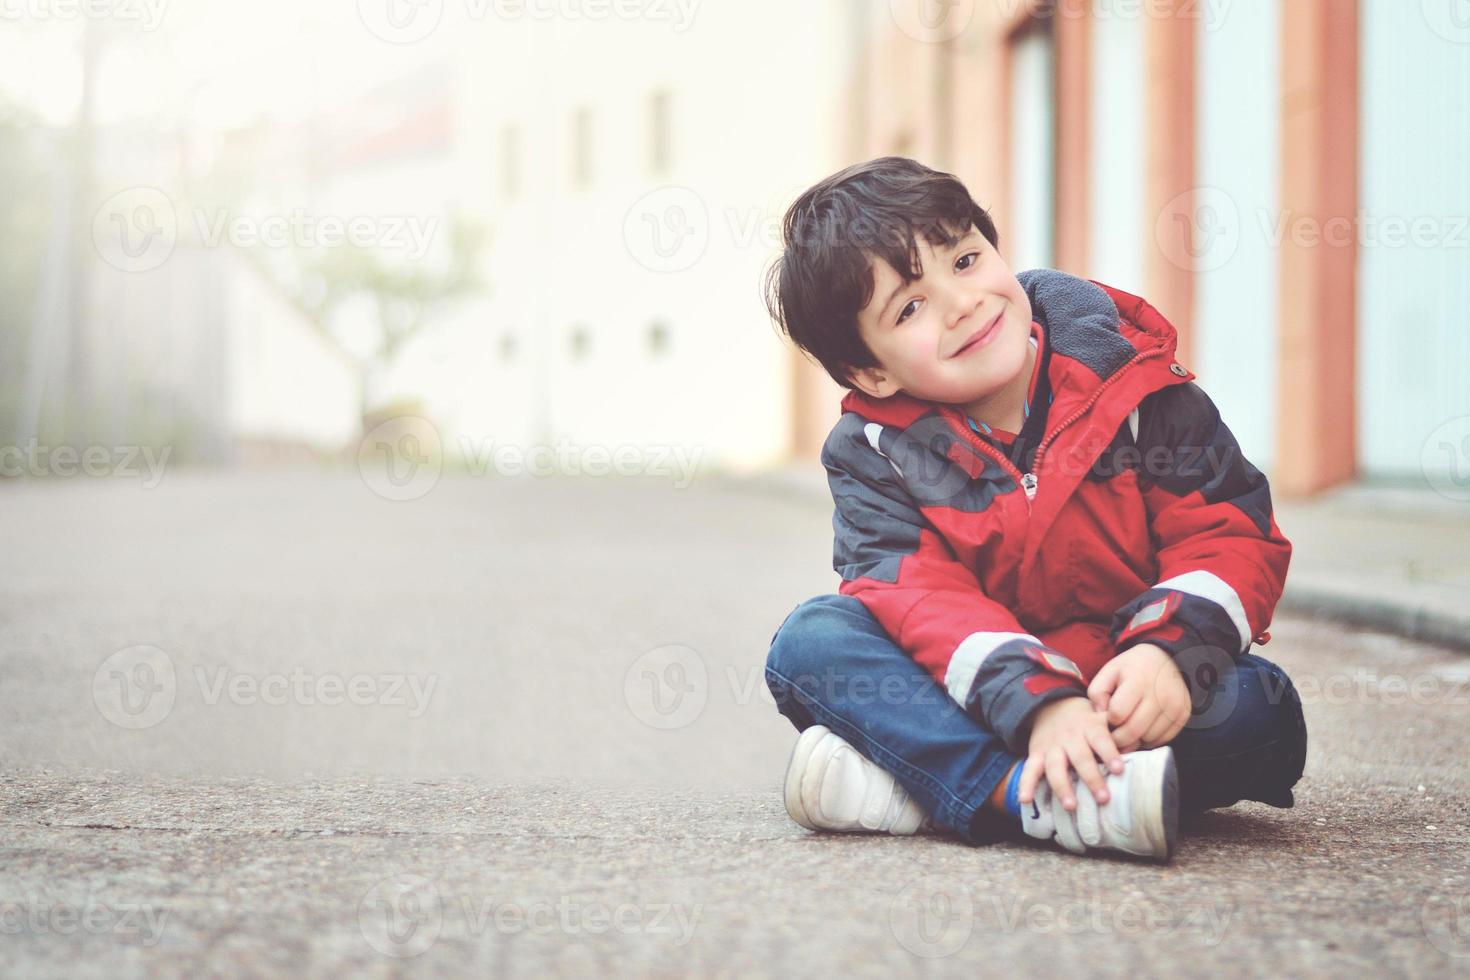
[(1144, 697), (1069, 734)]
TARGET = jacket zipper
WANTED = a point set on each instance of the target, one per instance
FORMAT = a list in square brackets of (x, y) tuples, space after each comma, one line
[(1029, 481)]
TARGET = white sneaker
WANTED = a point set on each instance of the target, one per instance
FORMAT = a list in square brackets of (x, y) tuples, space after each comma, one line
[(1141, 816), (831, 786)]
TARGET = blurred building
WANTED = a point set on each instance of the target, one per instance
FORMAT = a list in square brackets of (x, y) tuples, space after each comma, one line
[(632, 175), (1283, 179)]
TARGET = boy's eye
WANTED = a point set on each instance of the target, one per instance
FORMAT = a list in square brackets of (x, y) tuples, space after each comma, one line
[(907, 311), (965, 261)]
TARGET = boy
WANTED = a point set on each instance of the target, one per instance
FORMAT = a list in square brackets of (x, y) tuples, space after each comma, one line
[(1054, 558)]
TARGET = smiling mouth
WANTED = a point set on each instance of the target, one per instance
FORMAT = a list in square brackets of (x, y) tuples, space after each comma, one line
[(980, 336)]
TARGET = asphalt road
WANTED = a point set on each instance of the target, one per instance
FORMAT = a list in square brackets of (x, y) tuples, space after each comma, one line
[(276, 723)]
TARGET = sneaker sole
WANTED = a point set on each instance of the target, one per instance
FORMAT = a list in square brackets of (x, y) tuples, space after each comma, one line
[(796, 768)]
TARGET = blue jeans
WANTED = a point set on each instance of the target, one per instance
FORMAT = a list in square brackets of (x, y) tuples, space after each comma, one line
[(832, 664)]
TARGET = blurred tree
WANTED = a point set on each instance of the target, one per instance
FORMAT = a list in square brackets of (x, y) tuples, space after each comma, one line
[(340, 288), (24, 226)]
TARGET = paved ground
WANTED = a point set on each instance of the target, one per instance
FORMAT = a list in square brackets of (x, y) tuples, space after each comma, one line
[(276, 723)]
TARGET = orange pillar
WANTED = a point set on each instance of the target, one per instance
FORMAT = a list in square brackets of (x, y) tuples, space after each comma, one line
[(1169, 180), (1316, 429)]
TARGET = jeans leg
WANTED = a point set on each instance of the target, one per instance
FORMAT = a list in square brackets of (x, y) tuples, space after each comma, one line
[(831, 663), (1247, 738)]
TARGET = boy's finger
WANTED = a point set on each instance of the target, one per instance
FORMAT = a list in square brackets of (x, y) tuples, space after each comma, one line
[(1106, 749), (1123, 702), (1159, 732), (1085, 762), (1134, 726), (1030, 776), (1101, 688), (1057, 773)]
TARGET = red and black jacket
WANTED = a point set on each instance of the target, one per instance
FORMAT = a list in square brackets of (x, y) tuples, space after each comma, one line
[(1133, 517)]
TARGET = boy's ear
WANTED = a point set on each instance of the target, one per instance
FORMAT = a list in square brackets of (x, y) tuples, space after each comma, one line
[(873, 382)]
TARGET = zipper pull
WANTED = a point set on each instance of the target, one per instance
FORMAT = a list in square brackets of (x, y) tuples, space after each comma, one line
[(1028, 483)]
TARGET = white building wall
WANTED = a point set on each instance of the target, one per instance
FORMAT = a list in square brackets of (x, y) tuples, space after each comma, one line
[(1116, 226), (756, 116), (1239, 165), (1413, 368)]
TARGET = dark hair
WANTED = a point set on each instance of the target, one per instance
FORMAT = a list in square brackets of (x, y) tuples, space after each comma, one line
[(831, 236)]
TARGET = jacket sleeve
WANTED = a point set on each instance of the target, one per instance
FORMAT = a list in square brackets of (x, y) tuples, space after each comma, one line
[(1222, 559), (892, 560)]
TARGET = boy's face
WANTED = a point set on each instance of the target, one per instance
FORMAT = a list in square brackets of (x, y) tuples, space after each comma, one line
[(958, 334)]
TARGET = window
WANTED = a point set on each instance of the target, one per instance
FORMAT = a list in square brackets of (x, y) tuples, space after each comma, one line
[(582, 147), (510, 161), (660, 150), (1033, 145)]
